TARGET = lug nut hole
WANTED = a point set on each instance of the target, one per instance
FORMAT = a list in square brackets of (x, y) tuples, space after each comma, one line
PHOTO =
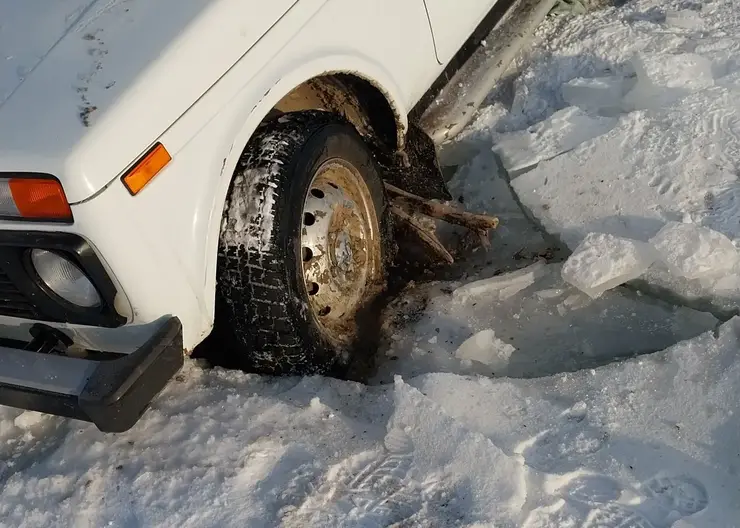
[(313, 289), (308, 219), (307, 254), (324, 311), (318, 193)]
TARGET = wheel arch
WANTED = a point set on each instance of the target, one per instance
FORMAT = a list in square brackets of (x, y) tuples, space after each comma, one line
[(363, 92)]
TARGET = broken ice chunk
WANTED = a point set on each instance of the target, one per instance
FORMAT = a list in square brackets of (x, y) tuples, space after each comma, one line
[(663, 79), (683, 70), (486, 348), (603, 261), (599, 94), (561, 132), (550, 293), (685, 19), (693, 251), (501, 287)]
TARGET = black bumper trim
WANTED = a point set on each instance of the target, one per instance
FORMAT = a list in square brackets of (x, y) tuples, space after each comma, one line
[(119, 390)]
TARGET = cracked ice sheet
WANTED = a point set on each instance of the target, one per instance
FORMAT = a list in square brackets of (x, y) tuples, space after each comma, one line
[(654, 167), (561, 132), (674, 153), (552, 326)]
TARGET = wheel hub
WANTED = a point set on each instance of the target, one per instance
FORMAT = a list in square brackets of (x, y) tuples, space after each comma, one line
[(340, 245)]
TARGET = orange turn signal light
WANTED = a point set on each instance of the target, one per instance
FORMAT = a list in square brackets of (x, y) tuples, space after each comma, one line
[(146, 169), (39, 199)]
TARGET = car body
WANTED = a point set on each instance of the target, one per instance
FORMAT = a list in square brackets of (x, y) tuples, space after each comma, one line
[(89, 87)]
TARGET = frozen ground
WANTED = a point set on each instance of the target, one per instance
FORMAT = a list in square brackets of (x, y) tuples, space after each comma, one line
[(506, 396)]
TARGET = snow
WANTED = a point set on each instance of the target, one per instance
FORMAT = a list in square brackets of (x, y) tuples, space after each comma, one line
[(693, 251), (673, 153), (249, 210), (504, 395), (664, 79), (652, 438), (683, 18), (602, 261), (251, 214)]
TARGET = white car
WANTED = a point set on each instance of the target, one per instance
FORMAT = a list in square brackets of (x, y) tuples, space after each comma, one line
[(171, 169)]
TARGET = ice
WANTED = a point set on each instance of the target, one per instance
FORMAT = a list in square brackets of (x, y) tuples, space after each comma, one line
[(501, 287), (604, 261), (602, 94), (486, 348), (563, 131), (693, 251), (29, 419), (551, 333), (551, 293), (664, 78), (684, 19)]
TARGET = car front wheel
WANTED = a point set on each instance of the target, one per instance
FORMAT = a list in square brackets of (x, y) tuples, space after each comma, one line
[(303, 246)]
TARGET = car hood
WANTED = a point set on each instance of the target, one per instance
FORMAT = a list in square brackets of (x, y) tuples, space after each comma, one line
[(87, 85), (28, 31)]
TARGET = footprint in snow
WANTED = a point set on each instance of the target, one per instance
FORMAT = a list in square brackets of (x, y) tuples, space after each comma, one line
[(679, 496), (562, 448), (370, 489), (598, 501), (615, 516), (592, 490)]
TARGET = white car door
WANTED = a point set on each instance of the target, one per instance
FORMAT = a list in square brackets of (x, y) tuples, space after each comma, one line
[(453, 21)]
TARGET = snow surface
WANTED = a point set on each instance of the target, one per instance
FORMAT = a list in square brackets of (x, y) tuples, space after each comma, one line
[(505, 396), (653, 439)]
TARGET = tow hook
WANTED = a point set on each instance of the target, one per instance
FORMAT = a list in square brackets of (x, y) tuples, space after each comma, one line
[(48, 340)]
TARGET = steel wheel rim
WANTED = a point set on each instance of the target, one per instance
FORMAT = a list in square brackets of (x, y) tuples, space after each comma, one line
[(340, 247)]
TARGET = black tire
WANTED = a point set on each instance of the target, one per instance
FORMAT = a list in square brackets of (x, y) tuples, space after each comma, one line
[(262, 300)]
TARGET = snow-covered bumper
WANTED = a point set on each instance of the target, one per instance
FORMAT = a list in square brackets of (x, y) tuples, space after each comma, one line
[(111, 391)]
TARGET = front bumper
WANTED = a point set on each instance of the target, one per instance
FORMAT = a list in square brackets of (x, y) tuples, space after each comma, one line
[(111, 393)]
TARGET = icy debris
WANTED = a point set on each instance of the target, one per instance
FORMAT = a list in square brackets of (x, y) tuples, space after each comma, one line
[(551, 293), (603, 261), (684, 19), (486, 348), (693, 251), (563, 131), (596, 94), (501, 287), (28, 419), (663, 79)]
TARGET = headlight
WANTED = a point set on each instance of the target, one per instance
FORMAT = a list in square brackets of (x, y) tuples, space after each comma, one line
[(64, 278)]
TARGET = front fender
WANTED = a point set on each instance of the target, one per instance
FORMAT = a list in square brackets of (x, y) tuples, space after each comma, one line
[(186, 200)]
